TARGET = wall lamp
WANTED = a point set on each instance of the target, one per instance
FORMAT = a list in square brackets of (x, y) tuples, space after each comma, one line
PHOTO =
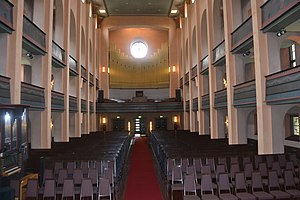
[(29, 55), (247, 53), (281, 32)]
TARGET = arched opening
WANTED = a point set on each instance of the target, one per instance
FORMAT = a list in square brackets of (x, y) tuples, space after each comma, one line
[(72, 35), (252, 125), (218, 22), (186, 56), (58, 18), (204, 45), (82, 47), (242, 11), (289, 54), (194, 47)]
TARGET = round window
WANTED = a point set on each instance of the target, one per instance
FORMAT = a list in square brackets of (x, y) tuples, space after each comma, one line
[(138, 49)]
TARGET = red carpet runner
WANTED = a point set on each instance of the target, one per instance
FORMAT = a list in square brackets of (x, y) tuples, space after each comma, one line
[(142, 183)]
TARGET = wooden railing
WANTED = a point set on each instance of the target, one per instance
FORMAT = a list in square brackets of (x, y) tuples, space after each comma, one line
[(32, 95), (219, 53), (83, 73), (91, 79), (204, 64), (186, 78), (58, 53), (83, 105), (220, 99), (4, 90), (6, 14), (205, 102), (73, 104), (194, 72), (245, 94), (73, 66), (242, 33), (195, 104), (57, 101)]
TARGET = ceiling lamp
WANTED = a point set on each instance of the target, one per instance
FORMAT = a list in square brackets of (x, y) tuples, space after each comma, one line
[(174, 11), (102, 11)]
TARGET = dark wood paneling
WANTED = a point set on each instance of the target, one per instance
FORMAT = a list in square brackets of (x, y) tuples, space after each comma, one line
[(219, 54), (32, 95), (73, 104), (83, 105), (195, 104), (245, 94), (4, 90), (242, 37), (187, 105), (57, 101), (6, 16), (205, 102), (220, 99)]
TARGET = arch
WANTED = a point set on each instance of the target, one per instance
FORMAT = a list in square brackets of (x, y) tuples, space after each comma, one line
[(82, 53), (194, 47), (252, 124), (289, 53), (90, 57), (218, 22), (186, 55), (72, 34), (58, 19), (204, 45)]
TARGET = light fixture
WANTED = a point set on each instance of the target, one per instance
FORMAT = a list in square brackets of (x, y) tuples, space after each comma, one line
[(82, 1), (175, 119), (118, 117), (7, 117), (247, 53), (226, 121), (173, 68), (169, 69), (51, 123), (104, 120), (52, 81), (225, 82), (91, 12), (174, 11), (128, 126), (139, 116), (139, 49), (29, 55), (150, 126), (193, 1), (281, 32), (103, 69), (161, 116), (102, 11)]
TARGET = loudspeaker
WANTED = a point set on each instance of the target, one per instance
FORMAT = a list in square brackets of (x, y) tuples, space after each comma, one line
[(178, 95), (100, 96)]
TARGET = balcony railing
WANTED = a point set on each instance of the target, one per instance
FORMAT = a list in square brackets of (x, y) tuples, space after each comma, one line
[(83, 105), (4, 90), (91, 107), (57, 101), (181, 82), (195, 104), (187, 105), (83, 73), (205, 102), (73, 66), (73, 104), (97, 83), (241, 38), (58, 55), (35, 36), (91, 79), (204, 65), (219, 54), (138, 107), (32, 95), (186, 78), (194, 72), (220, 99), (279, 14), (6, 16), (283, 87), (245, 94)]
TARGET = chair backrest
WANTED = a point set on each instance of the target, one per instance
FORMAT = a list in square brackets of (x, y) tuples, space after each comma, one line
[(68, 188), (62, 175), (104, 188), (77, 176), (240, 184), (257, 159), (234, 160), (248, 169), (206, 184), (276, 167), (256, 182), (281, 160), (57, 166), (170, 164), (70, 167), (220, 168), (49, 189), (289, 182), (290, 166), (197, 162), (262, 167), (32, 188), (84, 166), (223, 161), (112, 165), (246, 159), (235, 167), (15, 184), (184, 164), (189, 184), (191, 170), (86, 188), (48, 174), (93, 175), (108, 173), (205, 169), (211, 163), (177, 174), (98, 166), (269, 160), (224, 186), (294, 159), (273, 181)]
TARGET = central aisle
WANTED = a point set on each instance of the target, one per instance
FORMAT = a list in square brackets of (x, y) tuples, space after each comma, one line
[(142, 183)]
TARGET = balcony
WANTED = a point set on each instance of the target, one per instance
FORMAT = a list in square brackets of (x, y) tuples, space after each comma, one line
[(83, 73), (97, 83), (276, 15), (283, 87), (34, 39), (73, 104), (205, 102), (73, 66), (91, 107), (195, 104), (220, 99), (32, 95), (204, 65), (6, 16), (57, 101), (181, 83), (58, 56), (242, 37), (91, 79), (138, 107), (194, 72), (83, 105), (187, 106), (4, 90), (245, 94), (186, 78), (219, 54)]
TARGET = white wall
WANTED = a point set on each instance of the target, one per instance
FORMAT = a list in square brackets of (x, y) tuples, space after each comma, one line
[(129, 93)]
